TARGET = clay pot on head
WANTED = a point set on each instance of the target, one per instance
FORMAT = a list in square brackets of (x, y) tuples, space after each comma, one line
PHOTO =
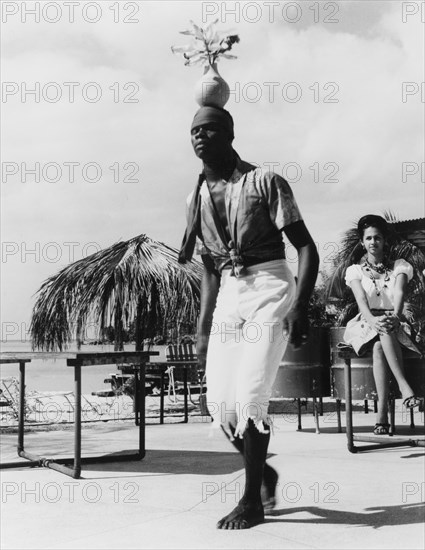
[(211, 88)]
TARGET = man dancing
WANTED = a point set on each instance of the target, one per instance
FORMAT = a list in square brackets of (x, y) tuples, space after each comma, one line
[(250, 304)]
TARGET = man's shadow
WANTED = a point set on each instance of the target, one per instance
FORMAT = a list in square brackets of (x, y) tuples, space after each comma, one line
[(164, 461), (376, 517)]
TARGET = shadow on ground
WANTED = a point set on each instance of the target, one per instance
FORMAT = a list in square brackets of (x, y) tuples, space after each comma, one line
[(376, 517), (175, 462)]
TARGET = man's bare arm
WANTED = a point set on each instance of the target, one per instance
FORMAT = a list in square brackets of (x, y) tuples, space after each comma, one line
[(308, 266), (209, 290)]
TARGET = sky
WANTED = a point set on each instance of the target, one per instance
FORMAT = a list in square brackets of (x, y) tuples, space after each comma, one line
[(96, 112)]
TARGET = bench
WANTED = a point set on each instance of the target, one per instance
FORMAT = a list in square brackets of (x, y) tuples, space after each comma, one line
[(180, 372), (9, 389), (121, 383), (181, 365)]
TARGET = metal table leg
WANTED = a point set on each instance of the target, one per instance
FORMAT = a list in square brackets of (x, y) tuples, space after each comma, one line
[(62, 465), (77, 433), (338, 415), (186, 412), (299, 414), (161, 398), (142, 415), (21, 407), (32, 461), (348, 406), (412, 418), (316, 415), (392, 415), (379, 443)]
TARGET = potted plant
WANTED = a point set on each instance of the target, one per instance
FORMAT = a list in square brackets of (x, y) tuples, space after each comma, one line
[(305, 372), (207, 47)]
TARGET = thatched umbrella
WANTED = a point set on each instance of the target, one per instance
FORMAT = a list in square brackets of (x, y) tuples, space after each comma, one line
[(138, 281)]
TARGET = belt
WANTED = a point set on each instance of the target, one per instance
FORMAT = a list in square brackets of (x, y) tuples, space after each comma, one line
[(238, 266), (250, 261)]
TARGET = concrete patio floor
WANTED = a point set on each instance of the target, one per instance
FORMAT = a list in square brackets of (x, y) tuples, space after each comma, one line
[(191, 477)]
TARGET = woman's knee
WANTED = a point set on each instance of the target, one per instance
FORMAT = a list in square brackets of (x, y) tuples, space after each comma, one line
[(377, 351)]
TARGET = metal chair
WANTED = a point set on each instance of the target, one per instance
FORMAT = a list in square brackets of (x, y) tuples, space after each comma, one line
[(181, 365), (355, 381), (9, 392)]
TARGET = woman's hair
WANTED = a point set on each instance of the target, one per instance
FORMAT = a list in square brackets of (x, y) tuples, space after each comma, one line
[(370, 220)]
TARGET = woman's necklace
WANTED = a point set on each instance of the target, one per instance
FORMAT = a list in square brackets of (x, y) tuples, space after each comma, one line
[(380, 268)]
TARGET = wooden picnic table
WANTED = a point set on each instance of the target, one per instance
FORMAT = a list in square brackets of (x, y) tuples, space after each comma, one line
[(77, 360)]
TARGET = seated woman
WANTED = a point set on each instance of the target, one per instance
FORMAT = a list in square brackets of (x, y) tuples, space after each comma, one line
[(379, 289)]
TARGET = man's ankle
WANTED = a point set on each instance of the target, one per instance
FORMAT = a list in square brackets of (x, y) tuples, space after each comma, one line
[(249, 501)]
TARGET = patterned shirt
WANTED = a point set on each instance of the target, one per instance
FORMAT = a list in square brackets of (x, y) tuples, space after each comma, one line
[(258, 206)]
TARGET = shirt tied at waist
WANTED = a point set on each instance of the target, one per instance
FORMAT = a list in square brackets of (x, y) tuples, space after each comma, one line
[(238, 262)]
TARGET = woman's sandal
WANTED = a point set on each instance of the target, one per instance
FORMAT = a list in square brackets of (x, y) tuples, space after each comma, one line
[(411, 402), (381, 429)]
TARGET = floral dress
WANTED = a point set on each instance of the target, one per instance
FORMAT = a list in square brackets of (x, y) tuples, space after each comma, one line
[(380, 298)]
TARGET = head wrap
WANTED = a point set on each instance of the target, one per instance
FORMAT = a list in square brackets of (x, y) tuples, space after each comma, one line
[(208, 113)]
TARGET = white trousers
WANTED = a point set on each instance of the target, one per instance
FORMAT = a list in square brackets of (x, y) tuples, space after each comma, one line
[(247, 344)]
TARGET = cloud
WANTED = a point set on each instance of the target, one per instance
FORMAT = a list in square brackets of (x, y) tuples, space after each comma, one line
[(348, 154)]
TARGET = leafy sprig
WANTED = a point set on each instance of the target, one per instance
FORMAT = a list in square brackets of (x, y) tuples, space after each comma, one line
[(207, 46)]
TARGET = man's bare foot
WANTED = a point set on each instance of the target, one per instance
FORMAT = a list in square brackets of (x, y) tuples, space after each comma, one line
[(244, 516), (268, 488)]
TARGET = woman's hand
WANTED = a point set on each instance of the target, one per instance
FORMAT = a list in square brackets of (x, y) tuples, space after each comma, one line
[(381, 324), (393, 321)]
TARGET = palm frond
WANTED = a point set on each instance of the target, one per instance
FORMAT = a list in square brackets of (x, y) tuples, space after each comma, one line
[(348, 312), (390, 216)]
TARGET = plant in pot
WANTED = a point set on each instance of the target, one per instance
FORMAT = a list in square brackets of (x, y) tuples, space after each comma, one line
[(305, 372), (207, 47)]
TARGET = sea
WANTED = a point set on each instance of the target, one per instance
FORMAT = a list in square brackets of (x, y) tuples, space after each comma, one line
[(47, 373)]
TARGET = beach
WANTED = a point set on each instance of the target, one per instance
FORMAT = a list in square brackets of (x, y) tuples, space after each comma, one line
[(50, 389), (47, 374)]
